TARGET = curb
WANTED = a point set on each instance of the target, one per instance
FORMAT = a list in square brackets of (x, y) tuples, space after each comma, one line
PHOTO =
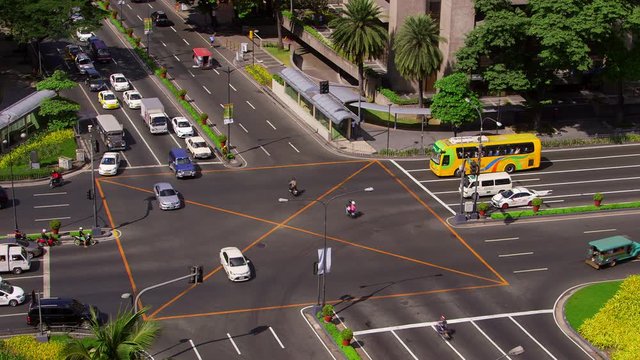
[(565, 327), (321, 333)]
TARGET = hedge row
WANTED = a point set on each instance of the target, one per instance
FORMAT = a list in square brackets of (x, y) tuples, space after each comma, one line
[(612, 139), (512, 215), (332, 329), (397, 99), (616, 327), (26, 347), (310, 29), (260, 74)]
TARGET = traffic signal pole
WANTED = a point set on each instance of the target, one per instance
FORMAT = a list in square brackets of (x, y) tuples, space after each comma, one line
[(197, 274)]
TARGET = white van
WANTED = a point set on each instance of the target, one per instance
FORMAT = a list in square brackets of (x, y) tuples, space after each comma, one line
[(489, 184), (14, 258)]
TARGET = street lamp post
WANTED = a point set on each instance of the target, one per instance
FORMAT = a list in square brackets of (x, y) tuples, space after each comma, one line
[(513, 352), (13, 189), (388, 123), (325, 203), (228, 71), (95, 230)]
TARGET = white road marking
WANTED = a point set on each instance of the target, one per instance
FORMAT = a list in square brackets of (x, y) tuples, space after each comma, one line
[(222, 106), (417, 170), (598, 231), (243, 128), (294, 148), (276, 336), (46, 274), (532, 338), (163, 44), (599, 147), (20, 314), (516, 254), (114, 61), (174, 30), (502, 239), (185, 41), (269, 122), (150, 5), (126, 160), (177, 58), (314, 331), (231, 86), (529, 270), (139, 17), (265, 150), (404, 345), (50, 206), (490, 340), (190, 73), (50, 194), (139, 134), (234, 344), (209, 162), (216, 71), (250, 104), (59, 218), (449, 344), (590, 158), (588, 181), (129, 6), (193, 346), (205, 89), (422, 186), (23, 277), (453, 321)]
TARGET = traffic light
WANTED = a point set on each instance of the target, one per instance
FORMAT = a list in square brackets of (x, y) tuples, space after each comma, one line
[(89, 195), (324, 87), (197, 277)]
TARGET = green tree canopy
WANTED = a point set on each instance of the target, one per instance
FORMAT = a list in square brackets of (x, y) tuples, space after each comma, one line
[(455, 103), (60, 113), (57, 82)]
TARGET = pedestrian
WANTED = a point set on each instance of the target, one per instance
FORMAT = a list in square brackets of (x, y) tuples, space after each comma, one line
[(212, 39), (354, 128)]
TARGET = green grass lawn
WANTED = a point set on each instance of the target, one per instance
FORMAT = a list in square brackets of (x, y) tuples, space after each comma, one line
[(586, 302), (383, 116), (283, 55), (66, 148)]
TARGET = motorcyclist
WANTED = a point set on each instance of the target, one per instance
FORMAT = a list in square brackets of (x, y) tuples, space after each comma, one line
[(86, 238), (56, 177), (17, 234), (442, 324), (293, 186), (351, 207), (43, 235)]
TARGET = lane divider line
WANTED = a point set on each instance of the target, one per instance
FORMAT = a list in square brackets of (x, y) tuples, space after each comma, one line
[(503, 239), (50, 194), (250, 104), (59, 218), (234, 344), (193, 346), (598, 231), (404, 345), (532, 338), (50, 206), (294, 148), (231, 86), (243, 128), (276, 336), (270, 124), (515, 254), (529, 270)]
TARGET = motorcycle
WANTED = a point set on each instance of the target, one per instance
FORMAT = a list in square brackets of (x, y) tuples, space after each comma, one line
[(351, 212), (294, 191), (443, 331), (48, 241), (83, 240), (54, 182)]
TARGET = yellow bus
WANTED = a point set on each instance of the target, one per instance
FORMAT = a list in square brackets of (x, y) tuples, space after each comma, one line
[(509, 152)]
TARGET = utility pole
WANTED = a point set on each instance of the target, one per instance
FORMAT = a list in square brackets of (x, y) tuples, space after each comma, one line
[(96, 230)]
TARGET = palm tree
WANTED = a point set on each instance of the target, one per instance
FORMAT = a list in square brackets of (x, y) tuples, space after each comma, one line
[(122, 339), (418, 54), (359, 34)]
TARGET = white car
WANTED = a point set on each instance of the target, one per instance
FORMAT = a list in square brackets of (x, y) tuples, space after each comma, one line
[(235, 264), (84, 35), (10, 295), (119, 82), (132, 99), (518, 196), (182, 127), (109, 164), (198, 147)]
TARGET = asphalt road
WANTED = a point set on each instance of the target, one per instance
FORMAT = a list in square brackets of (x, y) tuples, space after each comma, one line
[(395, 269)]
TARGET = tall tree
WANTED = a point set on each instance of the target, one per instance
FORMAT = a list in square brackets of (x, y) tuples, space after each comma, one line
[(57, 82), (359, 34), (523, 48), (122, 339), (455, 103)]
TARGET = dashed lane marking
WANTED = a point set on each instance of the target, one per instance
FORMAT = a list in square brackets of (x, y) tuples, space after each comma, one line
[(216, 71), (186, 42), (529, 270), (138, 16), (59, 218), (294, 148), (243, 128), (234, 344), (174, 30), (516, 254), (177, 58), (193, 346), (598, 231), (265, 150), (231, 86), (270, 124), (207, 90), (50, 206), (190, 73), (250, 104), (404, 345), (276, 336), (51, 194), (163, 44), (502, 239)]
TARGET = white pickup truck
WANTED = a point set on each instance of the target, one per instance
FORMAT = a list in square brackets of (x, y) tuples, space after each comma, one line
[(152, 112)]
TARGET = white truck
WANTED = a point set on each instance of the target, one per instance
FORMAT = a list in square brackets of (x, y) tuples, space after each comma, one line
[(14, 258), (152, 112)]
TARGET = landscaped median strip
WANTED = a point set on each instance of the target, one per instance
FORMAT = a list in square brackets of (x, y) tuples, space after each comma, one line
[(339, 336), (511, 215), (161, 73)]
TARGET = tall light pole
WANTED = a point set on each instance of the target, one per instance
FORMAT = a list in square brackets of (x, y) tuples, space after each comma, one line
[(325, 203), (13, 190), (228, 71), (95, 230)]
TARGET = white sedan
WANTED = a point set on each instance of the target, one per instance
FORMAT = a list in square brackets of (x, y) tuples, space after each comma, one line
[(198, 147), (84, 35), (132, 98), (109, 164), (235, 264), (518, 196), (182, 127), (10, 295), (119, 82)]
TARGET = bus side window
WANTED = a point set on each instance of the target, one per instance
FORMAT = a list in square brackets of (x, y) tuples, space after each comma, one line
[(445, 160), (3, 258)]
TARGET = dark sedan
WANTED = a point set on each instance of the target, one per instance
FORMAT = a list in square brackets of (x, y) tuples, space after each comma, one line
[(95, 81), (159, 18)]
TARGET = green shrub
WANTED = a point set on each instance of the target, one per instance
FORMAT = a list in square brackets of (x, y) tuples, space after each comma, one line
[(48, 146), (536, 201), (278, 79), (560, 211), (397, 99), (347, 350), (346, 334), (25, 346), (613, 139), (55, 224), (259, 73), (616, 327), (598, 197), (327, 310), (483, 206)]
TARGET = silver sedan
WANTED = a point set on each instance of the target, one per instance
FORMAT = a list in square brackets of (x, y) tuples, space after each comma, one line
[(168, 198)]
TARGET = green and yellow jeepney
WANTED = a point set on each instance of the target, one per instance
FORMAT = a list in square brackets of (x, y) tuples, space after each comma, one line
[(609, 251)]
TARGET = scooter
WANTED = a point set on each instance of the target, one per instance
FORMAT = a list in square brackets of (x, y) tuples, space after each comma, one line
[(294, 191), (443, 331), (55, 182), (350, 213), (83, 240), (49, 241)]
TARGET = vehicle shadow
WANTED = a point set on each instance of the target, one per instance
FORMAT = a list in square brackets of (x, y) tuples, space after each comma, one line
[(148, 210)]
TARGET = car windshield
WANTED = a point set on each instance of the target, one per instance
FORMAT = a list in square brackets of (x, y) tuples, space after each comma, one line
[(183, 124), (121, 79), (159, 120), (4, 286), (182, 161), (109, 161), (84, 61), (109, 97), (507, 194), (199, 144), (135, 96), (167, 192), (237, 261)]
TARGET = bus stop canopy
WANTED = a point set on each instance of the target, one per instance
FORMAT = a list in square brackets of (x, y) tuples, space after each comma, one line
[(23, 107)]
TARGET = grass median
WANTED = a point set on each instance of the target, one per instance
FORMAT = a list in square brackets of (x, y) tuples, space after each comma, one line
[(516, 214), (586, 302)]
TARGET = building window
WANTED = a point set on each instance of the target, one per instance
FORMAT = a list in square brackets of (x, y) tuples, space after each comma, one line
[(291, 92), (324, 120), (306, 105)]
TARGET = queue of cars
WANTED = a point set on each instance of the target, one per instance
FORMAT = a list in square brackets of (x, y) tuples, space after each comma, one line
[(499, 186)]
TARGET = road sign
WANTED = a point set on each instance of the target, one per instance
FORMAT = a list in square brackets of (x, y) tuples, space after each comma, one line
[(228, 114), (147, 25), (321, 261)]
